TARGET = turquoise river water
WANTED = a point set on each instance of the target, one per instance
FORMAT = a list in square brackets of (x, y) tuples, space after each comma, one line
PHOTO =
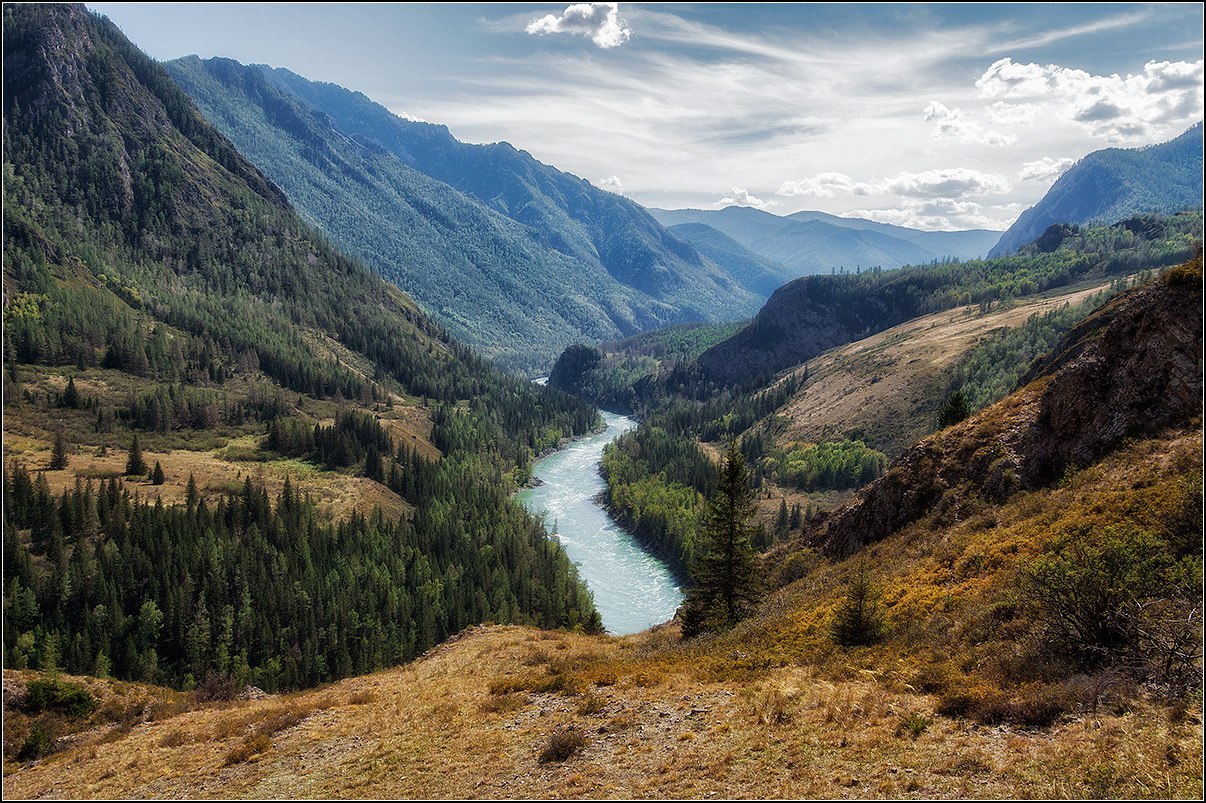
[(633, 590)]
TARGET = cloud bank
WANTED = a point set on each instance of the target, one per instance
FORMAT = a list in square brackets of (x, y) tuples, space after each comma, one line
[(600, 22)]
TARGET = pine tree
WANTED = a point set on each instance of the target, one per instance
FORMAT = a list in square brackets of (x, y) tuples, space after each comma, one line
[(954, 410), (135, 465), (157, 477), (782, 521), (58, 457), (71, 396), (859, 620), (725, 587)]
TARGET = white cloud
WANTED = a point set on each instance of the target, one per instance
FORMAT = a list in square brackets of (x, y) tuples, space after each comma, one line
[(739, 196), (599, 21), (942, 214), (824, 185), (1044, 169), (948, 182), (611, 184), (953, 124), (1160, 101)]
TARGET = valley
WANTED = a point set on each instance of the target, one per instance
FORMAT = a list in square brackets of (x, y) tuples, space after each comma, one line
[(865, 459)]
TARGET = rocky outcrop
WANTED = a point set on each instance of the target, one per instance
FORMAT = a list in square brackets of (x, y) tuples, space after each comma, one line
[(1131, 369)]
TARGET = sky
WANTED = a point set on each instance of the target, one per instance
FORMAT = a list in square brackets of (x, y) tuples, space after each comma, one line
[(936, 116)]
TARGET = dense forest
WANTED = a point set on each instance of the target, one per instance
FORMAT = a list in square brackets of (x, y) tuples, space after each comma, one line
[(145, 255)]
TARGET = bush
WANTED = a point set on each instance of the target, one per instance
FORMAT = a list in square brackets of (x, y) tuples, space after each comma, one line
[(914, 723), (563, 744), (37, 743), (979, 703), (56, 695), (1117, 597), (251, 746), (216, 687)]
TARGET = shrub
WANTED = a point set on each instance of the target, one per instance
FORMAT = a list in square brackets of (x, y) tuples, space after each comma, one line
[(216, 687), (979, 703), (563, 744), (37, 743), (914, 723), (1106, 597), (253, 745), (57, 695)]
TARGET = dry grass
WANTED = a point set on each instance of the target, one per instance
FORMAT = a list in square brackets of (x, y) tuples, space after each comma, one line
[(678, 738), (772, 709)]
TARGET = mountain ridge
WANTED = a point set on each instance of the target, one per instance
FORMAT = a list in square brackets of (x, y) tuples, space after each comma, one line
[(1109, 185)]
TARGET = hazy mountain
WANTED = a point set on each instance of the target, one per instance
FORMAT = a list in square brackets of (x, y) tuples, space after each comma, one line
[(966, 244), (812, 242), (1112, 184), (513, 255), (758, 275)]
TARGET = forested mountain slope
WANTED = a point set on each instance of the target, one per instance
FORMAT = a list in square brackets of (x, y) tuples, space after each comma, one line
[(163, 300), (514, 256), (1116, 183)]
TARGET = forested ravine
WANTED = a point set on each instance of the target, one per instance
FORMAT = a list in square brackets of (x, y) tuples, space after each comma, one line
[(633, 590)]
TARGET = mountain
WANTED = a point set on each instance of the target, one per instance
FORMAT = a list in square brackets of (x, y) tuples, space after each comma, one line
[(812, 242), (514, 256), (756, 274), (1130, 370), (1116, 183), (815, 313), (243, 456), (966, 244)]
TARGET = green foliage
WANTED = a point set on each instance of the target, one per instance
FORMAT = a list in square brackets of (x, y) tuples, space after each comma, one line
[(1121, 596), (58, 454), (157, 477), (834, 465), (859, 620), (954, 409), (168, 592), (725, 586), (991, 370), (135, 464), (656, 485), (58, 695), (37, 743)]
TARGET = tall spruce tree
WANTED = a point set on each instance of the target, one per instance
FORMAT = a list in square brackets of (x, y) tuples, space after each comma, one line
[(725, 586), (135, 465), (58, 456)]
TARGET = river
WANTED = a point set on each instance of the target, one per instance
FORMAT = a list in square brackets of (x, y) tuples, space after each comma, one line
[(633, 590)]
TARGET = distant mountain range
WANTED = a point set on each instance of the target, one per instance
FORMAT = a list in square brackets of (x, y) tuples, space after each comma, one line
[(1113, 184), (808, 242), (514, 256)]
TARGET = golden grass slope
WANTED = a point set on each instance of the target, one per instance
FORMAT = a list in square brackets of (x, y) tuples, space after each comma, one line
[(771, 709)]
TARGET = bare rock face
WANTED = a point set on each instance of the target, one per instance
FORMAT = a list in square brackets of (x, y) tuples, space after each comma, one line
[(1131, 369)]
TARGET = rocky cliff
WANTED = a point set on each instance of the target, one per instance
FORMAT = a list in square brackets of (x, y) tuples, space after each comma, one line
[(1131, 369)]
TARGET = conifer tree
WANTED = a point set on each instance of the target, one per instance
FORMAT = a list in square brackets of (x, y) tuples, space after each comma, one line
[(859, 620), (725, 587), (135, 465), (157, 477), (71, 396), (58, 457)]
